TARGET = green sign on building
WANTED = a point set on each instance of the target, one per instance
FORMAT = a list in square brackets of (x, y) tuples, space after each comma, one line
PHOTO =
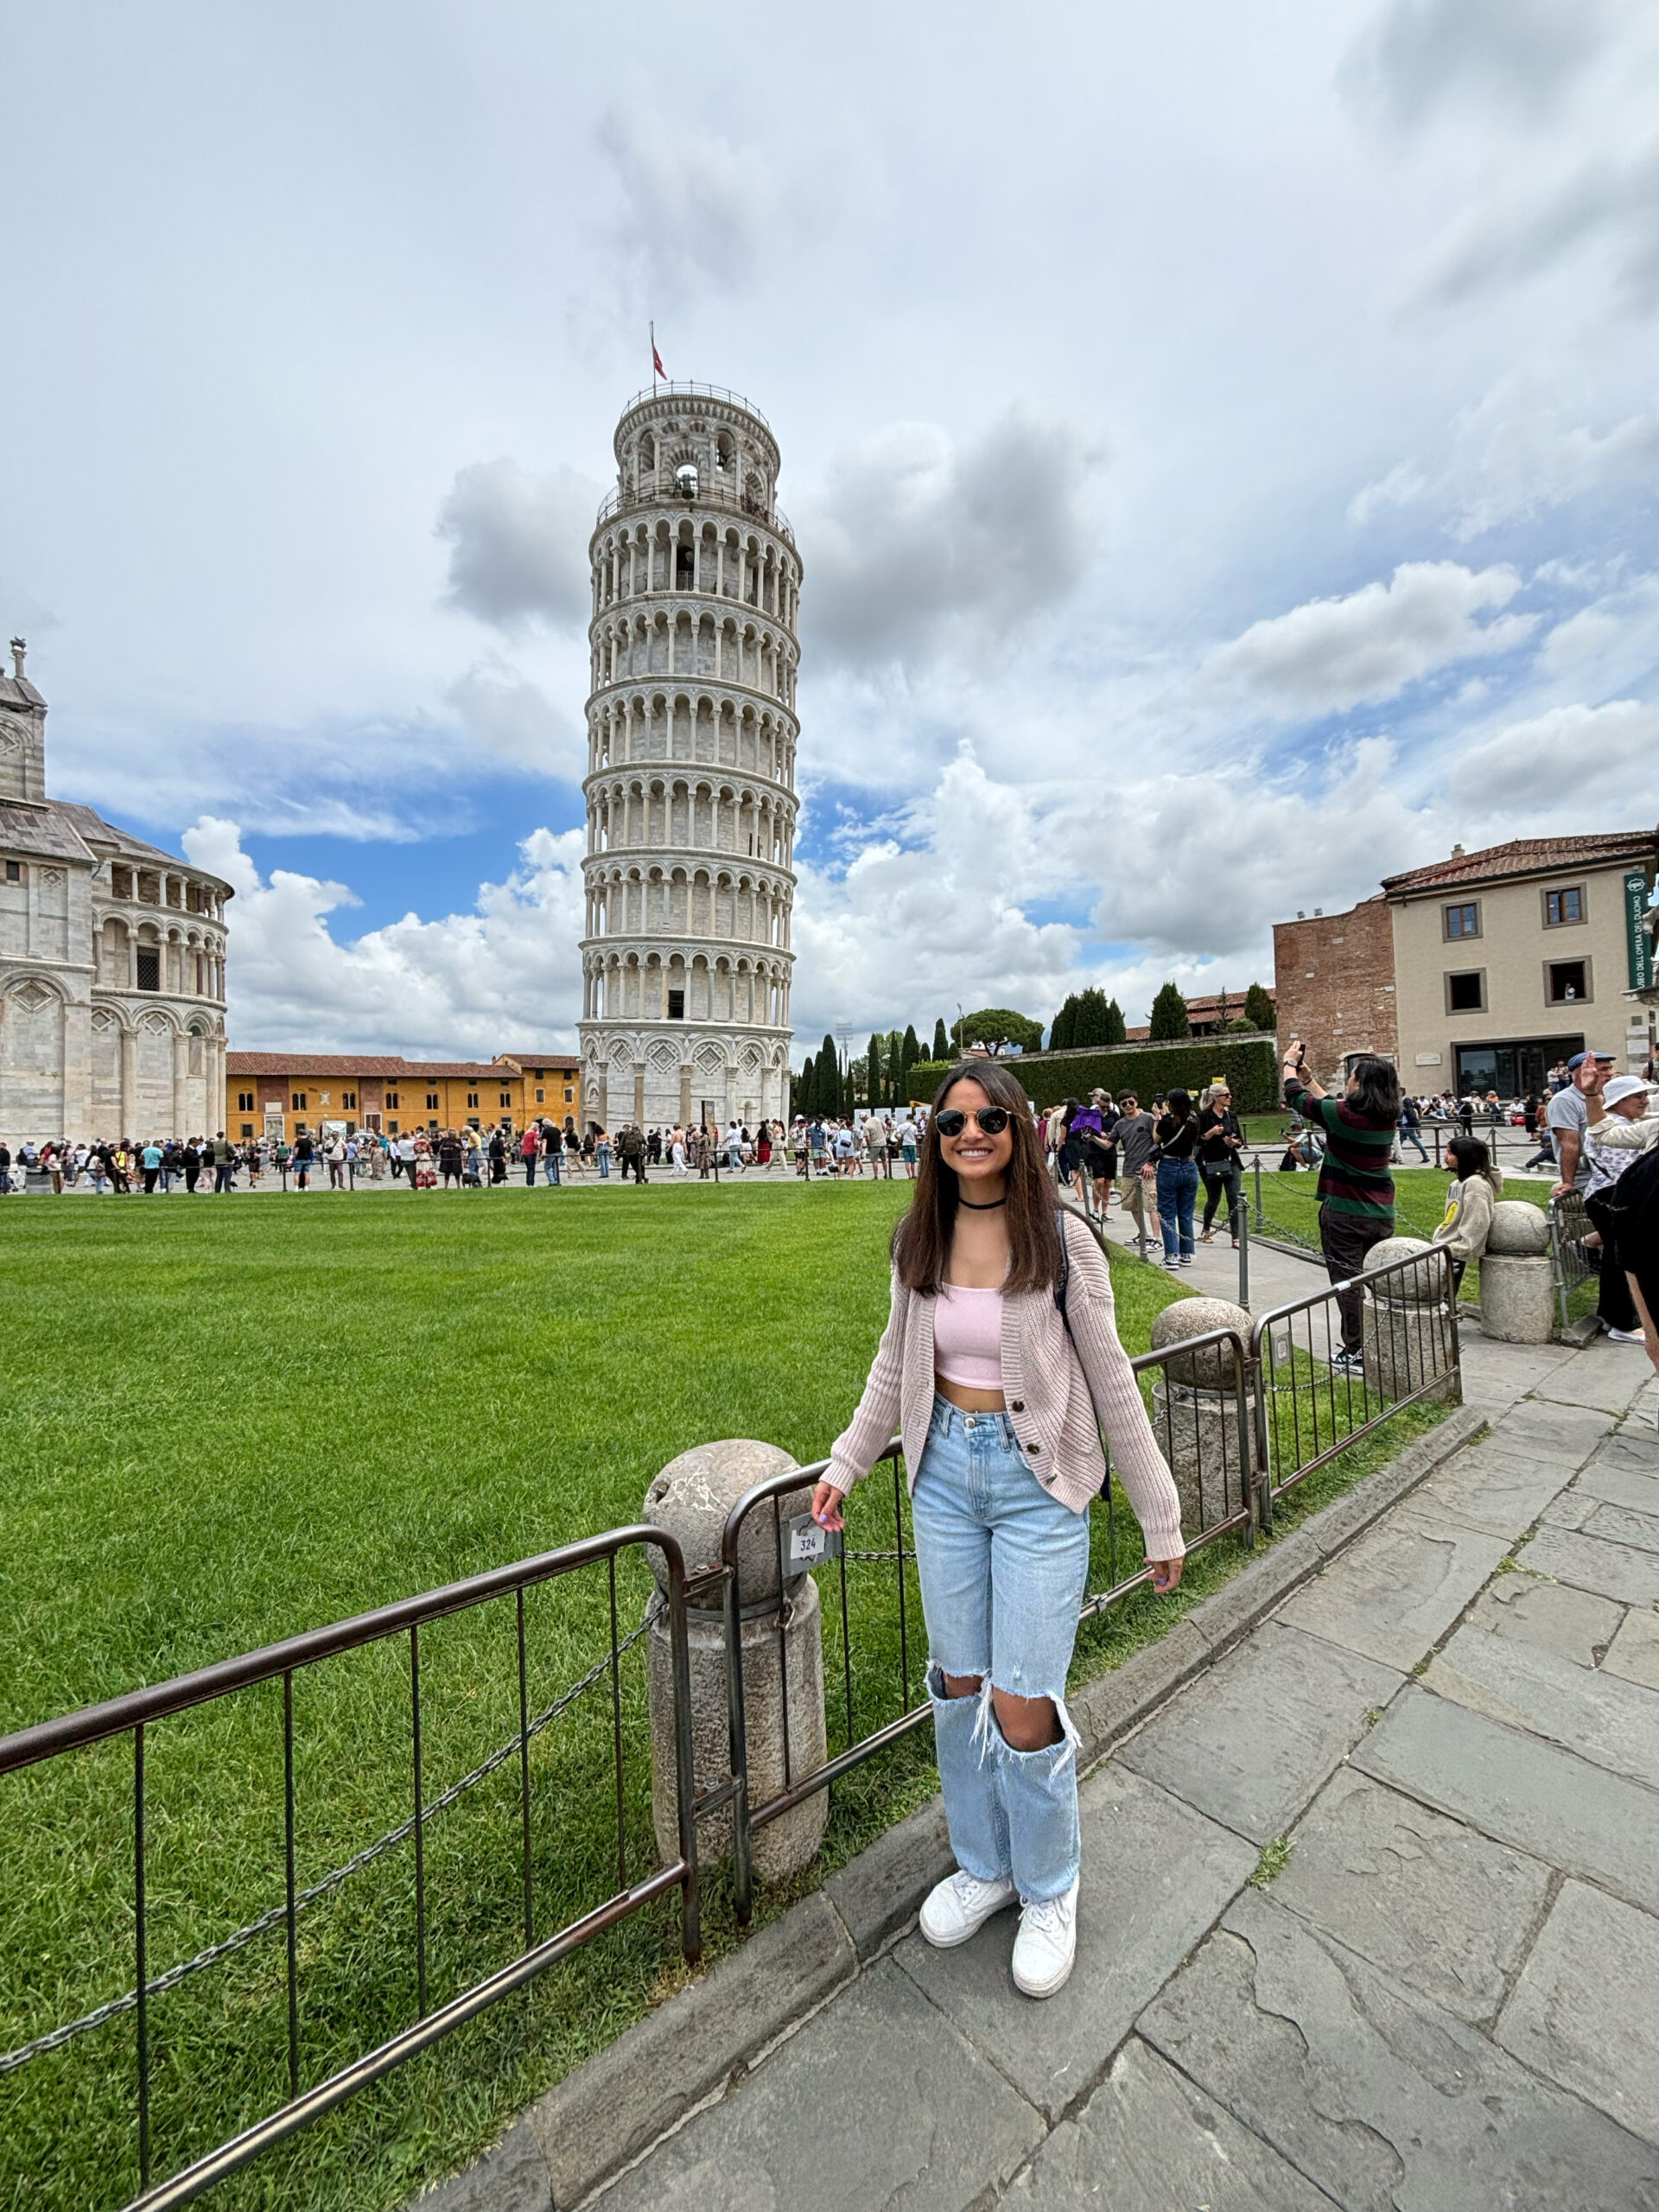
[(1638, 944)]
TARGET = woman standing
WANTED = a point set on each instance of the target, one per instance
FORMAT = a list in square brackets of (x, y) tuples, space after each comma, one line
[(602, 1154), (1176, 1137), (999, 1388)]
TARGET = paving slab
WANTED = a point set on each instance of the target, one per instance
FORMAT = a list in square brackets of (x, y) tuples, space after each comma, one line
[(1554, 1432), (1252, 1739), (1605, 1376), (511, 2177), (1387, 2102), (1443, 1908), (1149, 2140), (1572, 1508), (1155, 1876), (1583, 2011), (1622, 1524), (878, 2101), (1397, 1591), (1624, 1572), (1619, 1481), (1520, 1790), (1612, 1722), (635, 2089), (1634, 1445), (1497, 1488), (1553, 1615), (1633, 1654)]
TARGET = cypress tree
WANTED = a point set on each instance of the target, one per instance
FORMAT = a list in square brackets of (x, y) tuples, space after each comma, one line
[(941, 1040), (1116, 1031), (1259, 1009), (1062, 1033), (872, 1073), (1168, 1015)]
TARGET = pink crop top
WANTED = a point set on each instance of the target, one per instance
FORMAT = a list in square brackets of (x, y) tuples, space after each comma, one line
[(967, 1336)]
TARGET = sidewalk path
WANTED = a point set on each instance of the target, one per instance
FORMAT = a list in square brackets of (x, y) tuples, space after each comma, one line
[(1440, 1760)]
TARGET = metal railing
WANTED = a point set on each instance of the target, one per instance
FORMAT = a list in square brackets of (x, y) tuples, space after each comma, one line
[(661, 491), (139, 1714), (1240, 1419), (1577, 1263), (1314, 1399)]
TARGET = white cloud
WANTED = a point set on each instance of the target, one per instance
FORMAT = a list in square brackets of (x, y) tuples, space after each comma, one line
[(1332, 654), (1515, 454), (515, 720), (1604, 206), (518, 544), (474, 984), (1522, 56), (689, 206), (919, 540), (1591, 761)]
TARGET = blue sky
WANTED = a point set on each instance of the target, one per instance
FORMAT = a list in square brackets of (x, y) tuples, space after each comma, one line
[(1221, 443)]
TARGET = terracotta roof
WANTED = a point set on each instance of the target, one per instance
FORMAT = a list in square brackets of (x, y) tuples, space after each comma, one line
[(391, 1065), (539, 1059), (1528, 856)]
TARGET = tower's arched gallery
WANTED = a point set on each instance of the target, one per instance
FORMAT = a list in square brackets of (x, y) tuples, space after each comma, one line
[(111, 962), (690, 786)]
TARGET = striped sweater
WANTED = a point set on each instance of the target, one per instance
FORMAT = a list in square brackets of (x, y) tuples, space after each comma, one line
[(1354, 1178)]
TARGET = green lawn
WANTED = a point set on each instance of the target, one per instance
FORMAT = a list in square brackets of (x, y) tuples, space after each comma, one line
[(225, 1423)]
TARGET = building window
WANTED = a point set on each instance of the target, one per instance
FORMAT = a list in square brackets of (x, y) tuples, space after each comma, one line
[(247, 1128), (569, 1095), (391, 1098), (676, 1006), (244, 1104), (299, 1128), (149, 970), (540, 1098), (1462, 920), (348, 1098), (1563, 907), (1566, 982), (392, 1129), (1467, 994), (472, 1098), (540, 1074), (432, 1104), (120, 883), (14, 871), (506, 1099), (298, 1101)]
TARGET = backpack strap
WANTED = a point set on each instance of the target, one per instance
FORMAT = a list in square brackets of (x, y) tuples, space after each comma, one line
[(1063, 1281)]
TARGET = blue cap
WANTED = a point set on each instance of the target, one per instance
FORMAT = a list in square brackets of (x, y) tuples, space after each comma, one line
[(1579, 1059)]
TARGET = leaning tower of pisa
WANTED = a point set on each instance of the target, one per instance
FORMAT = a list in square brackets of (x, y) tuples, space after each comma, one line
[(690, 782)]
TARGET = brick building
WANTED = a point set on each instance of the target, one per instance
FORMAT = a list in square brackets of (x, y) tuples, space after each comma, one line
[(1334, 984), (287, 1094), (1482, 971)]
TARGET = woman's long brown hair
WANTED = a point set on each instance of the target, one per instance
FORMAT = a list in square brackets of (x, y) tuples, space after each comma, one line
[(921, 1242)]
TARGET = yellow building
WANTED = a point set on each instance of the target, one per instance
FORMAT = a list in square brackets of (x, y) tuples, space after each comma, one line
[(284, 1095)]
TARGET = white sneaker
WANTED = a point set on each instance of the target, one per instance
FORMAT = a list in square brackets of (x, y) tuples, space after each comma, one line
[(1626, 1336), (1046, 1945), (959, 1907)]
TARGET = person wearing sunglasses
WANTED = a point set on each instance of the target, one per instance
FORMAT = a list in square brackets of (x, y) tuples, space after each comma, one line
[(999, 1366)]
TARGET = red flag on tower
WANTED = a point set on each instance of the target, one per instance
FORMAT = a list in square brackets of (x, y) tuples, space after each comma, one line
[(656, 368)]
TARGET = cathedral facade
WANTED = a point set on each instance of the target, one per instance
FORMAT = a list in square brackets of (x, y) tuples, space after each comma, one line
[(111, 962), (690, 785)]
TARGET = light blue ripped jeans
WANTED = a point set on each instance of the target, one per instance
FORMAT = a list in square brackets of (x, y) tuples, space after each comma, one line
[(1003, 1568)]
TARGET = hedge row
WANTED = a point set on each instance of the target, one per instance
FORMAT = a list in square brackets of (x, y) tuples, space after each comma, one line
[(1250, 1066)]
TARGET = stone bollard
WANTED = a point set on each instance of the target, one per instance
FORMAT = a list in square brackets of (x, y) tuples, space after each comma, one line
[(691, 1498), (1408, 1326), (1195, 1410), (1517, 1276)]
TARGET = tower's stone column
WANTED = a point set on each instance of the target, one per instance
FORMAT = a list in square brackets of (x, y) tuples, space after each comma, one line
[(690, 786)]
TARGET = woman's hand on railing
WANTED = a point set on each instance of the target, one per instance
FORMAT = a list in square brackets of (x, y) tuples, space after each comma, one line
[(826, 1506), (1165, 1575)]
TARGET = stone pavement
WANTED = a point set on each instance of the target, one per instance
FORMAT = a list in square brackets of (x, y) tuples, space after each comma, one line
[(1371, 1908)]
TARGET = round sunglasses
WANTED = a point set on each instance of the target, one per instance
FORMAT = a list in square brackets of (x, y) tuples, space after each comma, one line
[(950, 1120)]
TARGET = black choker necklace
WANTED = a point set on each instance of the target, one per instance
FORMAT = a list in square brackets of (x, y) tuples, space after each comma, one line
[(988, 1205)]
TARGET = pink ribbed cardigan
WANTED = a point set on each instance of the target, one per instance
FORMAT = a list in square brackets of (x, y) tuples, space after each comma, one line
[(1054, 1385)]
